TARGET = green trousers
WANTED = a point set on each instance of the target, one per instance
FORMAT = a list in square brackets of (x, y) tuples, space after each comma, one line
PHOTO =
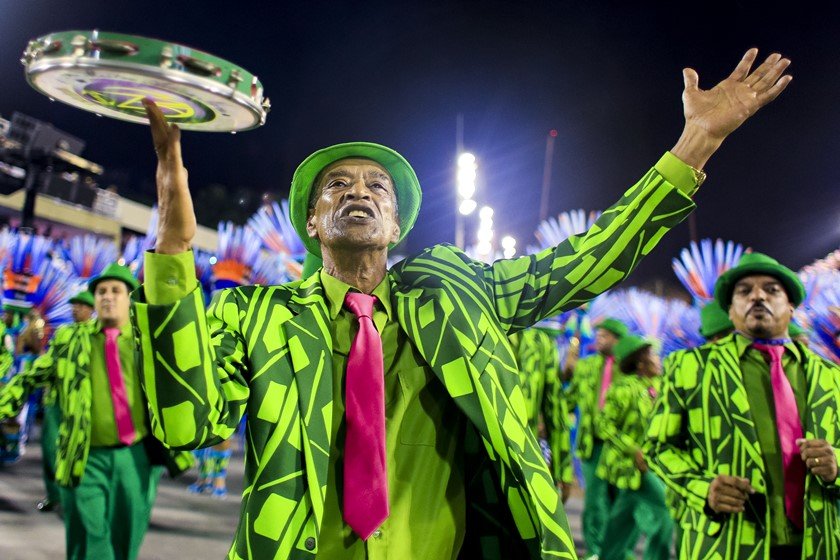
[(107, 515), (644, 511), (596, 502), (49, 441)]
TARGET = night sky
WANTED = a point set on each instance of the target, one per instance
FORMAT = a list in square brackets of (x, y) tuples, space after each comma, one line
[(607, 77)]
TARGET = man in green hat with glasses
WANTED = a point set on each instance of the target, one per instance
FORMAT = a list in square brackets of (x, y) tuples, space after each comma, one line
[(106, 466), (385, 415), (746, 431)]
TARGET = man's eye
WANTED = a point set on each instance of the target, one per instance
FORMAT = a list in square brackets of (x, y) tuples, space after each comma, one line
[(378, 186), (339, 183)]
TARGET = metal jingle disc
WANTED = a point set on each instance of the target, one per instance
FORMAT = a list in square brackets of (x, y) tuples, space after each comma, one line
[(115, 89)]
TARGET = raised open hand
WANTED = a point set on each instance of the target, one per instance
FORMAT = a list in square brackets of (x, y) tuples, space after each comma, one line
[(726, 106), (711, 115), (176, 217)]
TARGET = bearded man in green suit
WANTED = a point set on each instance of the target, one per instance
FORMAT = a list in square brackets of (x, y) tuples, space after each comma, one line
[(456, 464), (106, 466), (746, 429)]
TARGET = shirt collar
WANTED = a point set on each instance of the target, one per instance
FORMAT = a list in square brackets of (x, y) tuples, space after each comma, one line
[(335, 291), (125, 330), (743, 342)]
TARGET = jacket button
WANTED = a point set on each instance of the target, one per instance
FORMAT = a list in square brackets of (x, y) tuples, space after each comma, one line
[(310, 543), (377, 534)]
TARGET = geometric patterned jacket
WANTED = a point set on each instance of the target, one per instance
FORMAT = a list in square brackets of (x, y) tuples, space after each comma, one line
[(702, 427), (65, 367), (267, 351), (538, 359)]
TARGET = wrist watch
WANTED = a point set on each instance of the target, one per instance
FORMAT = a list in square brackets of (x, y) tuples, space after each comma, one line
[(699, 175)]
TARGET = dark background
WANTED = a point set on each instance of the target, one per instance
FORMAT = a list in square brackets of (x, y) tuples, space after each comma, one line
[(607, 76)]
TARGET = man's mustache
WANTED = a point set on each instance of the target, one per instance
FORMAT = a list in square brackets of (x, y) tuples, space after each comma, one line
[(761, 305)]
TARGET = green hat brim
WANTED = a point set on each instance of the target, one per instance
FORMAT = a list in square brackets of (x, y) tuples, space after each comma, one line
[(85, 298), (725, 284), (406, 184), (114, 271)]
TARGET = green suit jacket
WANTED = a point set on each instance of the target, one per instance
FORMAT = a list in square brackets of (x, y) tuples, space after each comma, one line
[(538, 359), (65, 368), (702, 427), (623, 424), (583, 393), (267, 351)]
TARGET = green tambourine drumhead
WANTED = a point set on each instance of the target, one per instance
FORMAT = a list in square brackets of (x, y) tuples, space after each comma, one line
[(111, 73)]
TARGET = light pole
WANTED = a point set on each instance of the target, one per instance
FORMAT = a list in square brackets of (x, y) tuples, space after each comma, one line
[(466, 174)]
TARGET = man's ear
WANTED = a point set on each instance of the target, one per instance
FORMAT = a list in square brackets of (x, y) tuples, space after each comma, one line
[(311, 230), (395, 235)]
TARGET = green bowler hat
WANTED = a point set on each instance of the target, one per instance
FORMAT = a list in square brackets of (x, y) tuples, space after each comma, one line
[(406, 184), (627, 345), (84, 297), (114, 271), (613, 325), (795, 330), (714, 320), (758, 263)]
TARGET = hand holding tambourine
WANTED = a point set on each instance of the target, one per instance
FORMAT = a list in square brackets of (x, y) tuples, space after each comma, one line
[(176, 216)]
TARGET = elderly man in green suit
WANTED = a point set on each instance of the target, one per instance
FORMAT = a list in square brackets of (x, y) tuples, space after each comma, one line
[(385, 413), (746, 429), (106, 466)]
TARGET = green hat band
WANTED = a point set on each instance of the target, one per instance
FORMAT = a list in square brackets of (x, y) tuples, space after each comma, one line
[(406, 184)]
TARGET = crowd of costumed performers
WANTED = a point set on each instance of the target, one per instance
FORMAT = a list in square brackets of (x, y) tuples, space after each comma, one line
[(639, 418), (66, 337)]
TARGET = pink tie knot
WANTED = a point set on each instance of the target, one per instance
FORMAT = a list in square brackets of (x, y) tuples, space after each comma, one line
[(775, 351), (360, 304), (111, 333)]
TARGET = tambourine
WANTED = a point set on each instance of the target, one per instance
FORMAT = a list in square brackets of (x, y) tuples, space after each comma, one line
[(109, 74)]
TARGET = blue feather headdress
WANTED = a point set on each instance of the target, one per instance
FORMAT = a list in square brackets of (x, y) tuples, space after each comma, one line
[(23, 264), (88, 255), (699, 266), (274, 227)]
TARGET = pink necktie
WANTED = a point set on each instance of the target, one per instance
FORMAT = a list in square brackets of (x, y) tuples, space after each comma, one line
[(606, 379), (365, 474), (790, 429), (122, 412)]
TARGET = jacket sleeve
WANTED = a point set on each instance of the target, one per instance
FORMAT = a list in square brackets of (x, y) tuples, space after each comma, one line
[(666, 446), (194, 364), (556, 415), (611, 420), (530, 288), (14, 394)]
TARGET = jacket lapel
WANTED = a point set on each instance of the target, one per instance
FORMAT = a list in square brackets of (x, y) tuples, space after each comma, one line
[(743, 451), (310, 349)]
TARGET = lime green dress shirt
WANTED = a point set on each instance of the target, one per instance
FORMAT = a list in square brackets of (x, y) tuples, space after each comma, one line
[(425, 476), (756, 371), (103, 427)]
